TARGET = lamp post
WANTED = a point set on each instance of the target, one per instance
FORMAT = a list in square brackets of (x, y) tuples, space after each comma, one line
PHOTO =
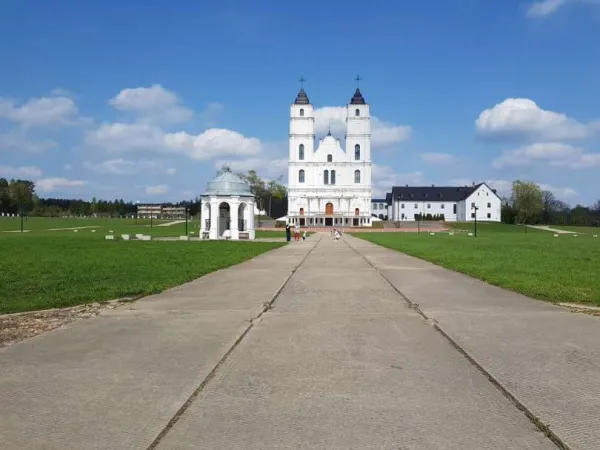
[(186, 221), (476, 208)]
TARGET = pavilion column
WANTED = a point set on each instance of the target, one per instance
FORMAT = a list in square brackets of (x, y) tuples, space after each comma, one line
[(214, 219), (234, 205), (250, 220)]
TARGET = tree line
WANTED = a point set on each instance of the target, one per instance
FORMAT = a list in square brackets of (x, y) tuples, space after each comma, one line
[(19, 197), (529, 204)]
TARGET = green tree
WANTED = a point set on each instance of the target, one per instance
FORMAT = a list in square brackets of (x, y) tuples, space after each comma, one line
[(527, 199)]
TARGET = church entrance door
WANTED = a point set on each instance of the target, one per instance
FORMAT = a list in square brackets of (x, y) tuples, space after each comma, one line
[(329, 209), (328, 221)]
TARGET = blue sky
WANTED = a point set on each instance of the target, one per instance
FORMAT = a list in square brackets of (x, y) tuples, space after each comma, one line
[(145, 100)]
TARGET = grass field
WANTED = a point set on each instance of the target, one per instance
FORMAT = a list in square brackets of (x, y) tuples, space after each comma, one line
[(562, 269), (51, 269)]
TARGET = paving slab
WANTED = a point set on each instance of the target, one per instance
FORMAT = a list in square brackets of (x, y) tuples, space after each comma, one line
[(115, 381), (342, 362), (547, 357)]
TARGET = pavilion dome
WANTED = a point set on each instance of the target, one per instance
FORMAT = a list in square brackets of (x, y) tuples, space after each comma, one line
[(228, 184)]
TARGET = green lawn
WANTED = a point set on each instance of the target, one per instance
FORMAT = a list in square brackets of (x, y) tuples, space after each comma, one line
[(36, 225), (40, 270), (537, 264)]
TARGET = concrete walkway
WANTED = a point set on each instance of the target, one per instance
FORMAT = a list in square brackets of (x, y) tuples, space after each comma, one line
[(553, 230), (545, 357), (309, 346)]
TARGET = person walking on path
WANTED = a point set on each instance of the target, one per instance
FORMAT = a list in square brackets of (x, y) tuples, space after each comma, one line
[(296, 232), (288, 232)]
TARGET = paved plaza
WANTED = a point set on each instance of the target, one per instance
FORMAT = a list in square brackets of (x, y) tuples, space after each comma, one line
[(317, 345)]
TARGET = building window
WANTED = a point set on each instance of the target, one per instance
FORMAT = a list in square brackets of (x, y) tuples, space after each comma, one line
[(301, 176), (301, 112), (329, 158), (428, 205), (416, 206), (454, 209), (357, 112), (442, 206), (489, 205), (301, 152), (402, 206), (489, 216), (356, 152), (472, 204), (357, 176), (326, 177), (333, 177), (472, 215)]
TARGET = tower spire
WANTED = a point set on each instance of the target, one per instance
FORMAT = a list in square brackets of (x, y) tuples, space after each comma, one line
[(302, 98), (329, 131), (358, 78)]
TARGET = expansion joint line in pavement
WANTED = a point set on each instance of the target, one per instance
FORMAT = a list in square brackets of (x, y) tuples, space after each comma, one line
[(544, 428), (266, 306)]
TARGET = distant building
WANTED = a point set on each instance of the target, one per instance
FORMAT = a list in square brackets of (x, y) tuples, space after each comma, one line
[(457, 204), (379, 208), (160, 212)]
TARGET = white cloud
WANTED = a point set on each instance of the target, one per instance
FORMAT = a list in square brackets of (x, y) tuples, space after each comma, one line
[(214, 142), (542, 8), (17, 140), (42, 111), (126, 167), (154, 104), (53, 184), (384, 177), (560, 192), (20, 172), (157, 190), (265, 167), (437, 158), (383, 133), (551, 153), (523, 118)]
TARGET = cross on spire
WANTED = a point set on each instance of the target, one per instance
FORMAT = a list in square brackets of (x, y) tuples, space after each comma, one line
[(329, 132), (302, 80), (358, 78)]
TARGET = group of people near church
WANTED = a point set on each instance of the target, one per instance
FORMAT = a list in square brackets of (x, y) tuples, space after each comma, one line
[(297, 235)]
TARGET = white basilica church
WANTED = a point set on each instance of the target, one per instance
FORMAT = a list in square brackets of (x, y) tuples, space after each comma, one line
[(329, 186)]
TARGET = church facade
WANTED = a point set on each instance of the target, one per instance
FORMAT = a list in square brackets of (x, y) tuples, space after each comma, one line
[(329, 186)]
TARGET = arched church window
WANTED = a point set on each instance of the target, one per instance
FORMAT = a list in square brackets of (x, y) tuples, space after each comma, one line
[(301, 176), (301, 152), (357, 112), (329, 158), (326, 177), (302, 112), (357, 176), (333, 177), (356, 152)]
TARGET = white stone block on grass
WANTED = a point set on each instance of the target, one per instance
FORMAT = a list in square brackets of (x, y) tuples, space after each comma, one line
[(431, 234), (146, 238), (556, 235), (125, 237), (139, 236), (93, 231), (595, 235), (75, 231), (470, 234), (184, 238), (451, 234), (109, 237)]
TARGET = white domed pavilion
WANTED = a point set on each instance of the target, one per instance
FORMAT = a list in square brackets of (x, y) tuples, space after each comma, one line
[(227, 209)]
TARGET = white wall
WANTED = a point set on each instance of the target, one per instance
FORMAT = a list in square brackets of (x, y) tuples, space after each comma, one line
[(489, 205), (422, 207)]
